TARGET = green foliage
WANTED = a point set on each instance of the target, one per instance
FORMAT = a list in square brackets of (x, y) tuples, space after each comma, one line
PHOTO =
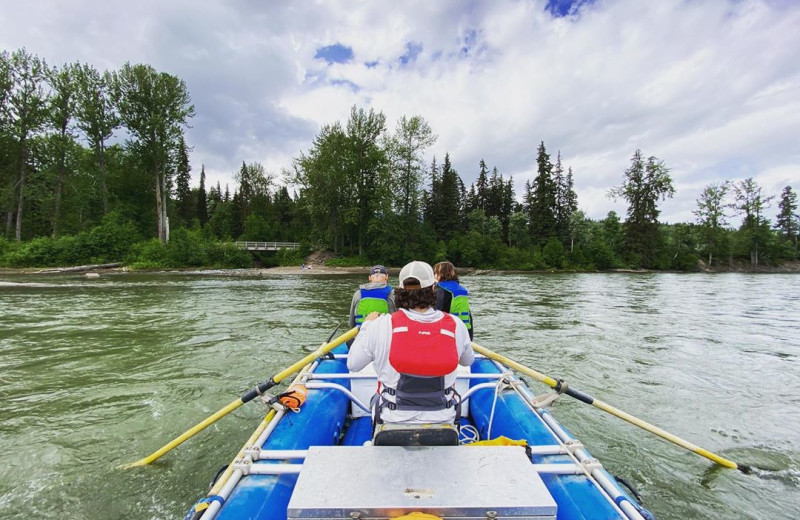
[(109, 242), (289, 257), (553, 253), (188, 248), (644, 184), (362, 192), (349, 261)]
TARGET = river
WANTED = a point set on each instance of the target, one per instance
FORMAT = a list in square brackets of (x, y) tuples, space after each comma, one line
[(96, 373)]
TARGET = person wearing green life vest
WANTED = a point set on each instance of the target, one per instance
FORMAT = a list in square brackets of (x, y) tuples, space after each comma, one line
[(374, 296), (451, 296)]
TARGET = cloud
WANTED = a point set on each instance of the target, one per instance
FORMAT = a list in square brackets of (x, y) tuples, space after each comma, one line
[(710, 87)]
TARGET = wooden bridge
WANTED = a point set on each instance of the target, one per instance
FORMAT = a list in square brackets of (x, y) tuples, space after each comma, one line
[(267, 246)]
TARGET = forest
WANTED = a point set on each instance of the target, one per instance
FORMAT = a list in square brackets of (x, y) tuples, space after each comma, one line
[(94, 168)]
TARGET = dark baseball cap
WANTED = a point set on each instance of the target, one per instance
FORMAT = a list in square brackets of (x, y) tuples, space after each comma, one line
[(377, 269)]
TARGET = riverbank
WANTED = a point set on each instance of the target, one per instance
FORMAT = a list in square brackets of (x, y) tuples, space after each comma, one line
[(323, 270)]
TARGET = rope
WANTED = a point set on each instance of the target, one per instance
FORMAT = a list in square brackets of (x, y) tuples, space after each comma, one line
[(501, 384), (469, 434)]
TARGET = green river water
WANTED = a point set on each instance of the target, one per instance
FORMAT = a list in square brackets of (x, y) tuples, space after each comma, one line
[(96, 373)]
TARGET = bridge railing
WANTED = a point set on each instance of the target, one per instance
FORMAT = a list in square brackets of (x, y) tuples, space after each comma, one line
[(267, 246)]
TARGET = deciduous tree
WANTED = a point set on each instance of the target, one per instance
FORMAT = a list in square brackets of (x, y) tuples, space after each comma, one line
[(711, 217), (155, 108), (27, 103), (97, 116), (750, 204)]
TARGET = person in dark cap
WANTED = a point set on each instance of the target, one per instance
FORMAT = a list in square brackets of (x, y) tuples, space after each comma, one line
[(374, 296)]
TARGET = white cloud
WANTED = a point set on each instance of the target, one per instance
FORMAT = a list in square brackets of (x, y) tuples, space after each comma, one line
[(710, 87)]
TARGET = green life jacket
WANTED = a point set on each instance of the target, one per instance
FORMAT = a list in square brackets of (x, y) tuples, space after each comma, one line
[(459, 303), (372, 300)]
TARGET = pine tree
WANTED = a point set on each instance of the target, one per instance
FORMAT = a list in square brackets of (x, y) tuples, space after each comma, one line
[(543, 219), (644, 184), (788, 221), (482, 187), (450, 214), (201, 199), (560, 209), (183, 192), (431, 198)]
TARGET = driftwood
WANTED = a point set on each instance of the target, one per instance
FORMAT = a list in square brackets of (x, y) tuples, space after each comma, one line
[(80, 268)]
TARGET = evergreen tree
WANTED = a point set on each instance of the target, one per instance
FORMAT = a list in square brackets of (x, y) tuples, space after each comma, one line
[(507, 207), (570, 197), (201, 198), (711, 217), (449, 204), (482, 187), (560, 210), (542, 205), (643, 186), (788, 221), (472, 199), (183, 193), (430, 198)]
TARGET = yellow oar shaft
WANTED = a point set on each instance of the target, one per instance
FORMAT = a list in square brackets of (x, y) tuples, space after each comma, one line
[(191, 432), (552, 383), (248, 396)]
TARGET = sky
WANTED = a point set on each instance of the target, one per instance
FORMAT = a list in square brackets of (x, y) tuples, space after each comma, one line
[(711, 87)]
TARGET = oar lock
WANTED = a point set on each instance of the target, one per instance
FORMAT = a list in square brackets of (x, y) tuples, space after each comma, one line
[(292, 399), (561, 386)]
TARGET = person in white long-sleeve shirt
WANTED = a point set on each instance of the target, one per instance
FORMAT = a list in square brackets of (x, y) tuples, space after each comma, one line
[(416, 352)]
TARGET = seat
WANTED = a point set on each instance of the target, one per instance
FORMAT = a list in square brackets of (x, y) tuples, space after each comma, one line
[(434, 434)]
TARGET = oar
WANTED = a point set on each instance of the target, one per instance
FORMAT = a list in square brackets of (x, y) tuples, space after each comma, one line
[(562, 387), (248, 396)]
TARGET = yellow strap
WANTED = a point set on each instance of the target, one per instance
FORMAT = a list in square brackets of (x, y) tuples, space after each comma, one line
[(417, 515), (499, 441)]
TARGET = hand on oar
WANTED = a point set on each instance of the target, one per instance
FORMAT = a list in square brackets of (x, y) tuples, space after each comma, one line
[(248, 396), (562, 387)]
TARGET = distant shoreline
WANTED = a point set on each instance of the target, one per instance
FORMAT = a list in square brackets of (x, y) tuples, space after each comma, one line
[(792, 267)]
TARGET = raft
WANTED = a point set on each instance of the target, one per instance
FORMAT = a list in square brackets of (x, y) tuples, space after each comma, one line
[(318, 460)]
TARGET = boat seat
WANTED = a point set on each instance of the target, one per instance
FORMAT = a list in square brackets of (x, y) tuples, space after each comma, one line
[(415, 435)]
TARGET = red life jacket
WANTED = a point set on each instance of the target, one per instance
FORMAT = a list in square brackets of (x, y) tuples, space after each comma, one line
[(423, 354), (423, 349)]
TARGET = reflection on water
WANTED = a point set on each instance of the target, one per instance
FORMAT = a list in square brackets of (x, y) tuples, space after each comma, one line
[(95, 373)]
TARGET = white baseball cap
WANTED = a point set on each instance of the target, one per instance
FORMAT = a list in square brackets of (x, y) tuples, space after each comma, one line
[(419, 270)]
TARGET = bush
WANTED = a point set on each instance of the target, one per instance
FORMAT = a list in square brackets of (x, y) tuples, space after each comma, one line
[(150, 254), (289, 257), (553, 253), (188, 248), (349, 261)]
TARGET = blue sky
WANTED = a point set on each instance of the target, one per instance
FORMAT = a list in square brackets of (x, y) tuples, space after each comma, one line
[(712, 87)]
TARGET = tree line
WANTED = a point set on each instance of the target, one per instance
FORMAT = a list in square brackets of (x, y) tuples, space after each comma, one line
[(94, 166), (368, 193)]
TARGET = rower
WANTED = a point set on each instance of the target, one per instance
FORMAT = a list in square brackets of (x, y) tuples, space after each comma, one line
[(416, 352)]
